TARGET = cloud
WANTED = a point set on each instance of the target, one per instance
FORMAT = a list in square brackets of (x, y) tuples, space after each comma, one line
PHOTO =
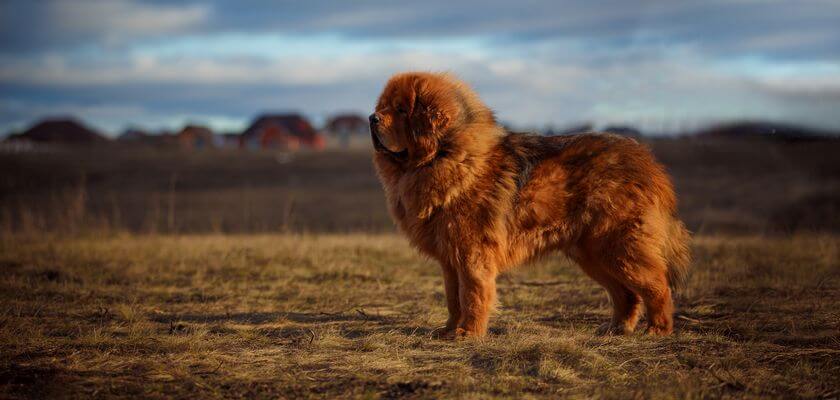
[(770, 28), (53, 24), (239, 59), (675, 85), (118, 20), (760, 27)]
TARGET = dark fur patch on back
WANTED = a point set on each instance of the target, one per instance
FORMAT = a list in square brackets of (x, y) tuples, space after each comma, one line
[(526, 151)]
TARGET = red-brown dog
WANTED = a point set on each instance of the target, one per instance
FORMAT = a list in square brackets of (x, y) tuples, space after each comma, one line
[(480, 200)]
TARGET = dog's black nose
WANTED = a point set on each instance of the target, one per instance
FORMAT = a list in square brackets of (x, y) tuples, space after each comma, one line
[(374, 119)]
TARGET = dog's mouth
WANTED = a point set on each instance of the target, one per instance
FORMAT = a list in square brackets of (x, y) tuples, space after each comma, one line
[(378, 146)]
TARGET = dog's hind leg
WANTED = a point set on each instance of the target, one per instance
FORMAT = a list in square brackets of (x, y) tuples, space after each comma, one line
[(659, 306), (645, 273), (626, 304)]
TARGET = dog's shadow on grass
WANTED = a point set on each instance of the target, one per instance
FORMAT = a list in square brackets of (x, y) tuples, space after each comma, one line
[(259, 318), (351, 325), (413, 331)]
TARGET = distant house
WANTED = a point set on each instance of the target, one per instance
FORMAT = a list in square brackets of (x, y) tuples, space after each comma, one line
[(139, 137), (63, 131), (195, 137), (345, 127), (283, 132), (275, 136), (230, 140), (164, 139), (133, 135)]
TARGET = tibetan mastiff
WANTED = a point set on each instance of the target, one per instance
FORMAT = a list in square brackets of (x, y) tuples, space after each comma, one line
[(481, 200)]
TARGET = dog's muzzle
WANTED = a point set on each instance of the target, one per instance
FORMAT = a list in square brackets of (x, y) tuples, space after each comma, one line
[(378, 146)]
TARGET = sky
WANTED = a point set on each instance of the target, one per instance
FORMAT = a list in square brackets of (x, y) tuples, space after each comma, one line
[(663, 65)]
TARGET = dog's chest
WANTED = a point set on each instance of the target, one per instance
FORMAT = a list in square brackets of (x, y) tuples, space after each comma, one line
[(453, 231)]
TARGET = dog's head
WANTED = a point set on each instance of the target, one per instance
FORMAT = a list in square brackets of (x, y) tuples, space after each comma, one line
[(419, 115)]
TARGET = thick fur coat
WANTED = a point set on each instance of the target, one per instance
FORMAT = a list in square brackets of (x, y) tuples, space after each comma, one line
[(480, 200)]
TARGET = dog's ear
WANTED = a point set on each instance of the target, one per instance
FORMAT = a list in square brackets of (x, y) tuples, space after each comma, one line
[(438, 119), (430, 121), (429, 118)]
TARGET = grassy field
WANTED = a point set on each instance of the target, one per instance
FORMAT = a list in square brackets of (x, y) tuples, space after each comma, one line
[(351, 316), (132, 272)]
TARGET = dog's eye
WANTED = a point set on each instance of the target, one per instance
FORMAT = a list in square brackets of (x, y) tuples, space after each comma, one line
[(401, 110)]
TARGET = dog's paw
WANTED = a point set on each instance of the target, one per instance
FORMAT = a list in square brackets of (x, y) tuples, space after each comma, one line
[(461, 333), (443, 333), (655, 330), (454, 334)]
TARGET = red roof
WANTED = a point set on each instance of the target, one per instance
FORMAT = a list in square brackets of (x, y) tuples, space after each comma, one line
[(349, 122), (295, 124)]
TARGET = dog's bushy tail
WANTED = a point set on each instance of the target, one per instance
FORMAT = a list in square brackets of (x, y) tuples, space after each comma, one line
[(677, 253)]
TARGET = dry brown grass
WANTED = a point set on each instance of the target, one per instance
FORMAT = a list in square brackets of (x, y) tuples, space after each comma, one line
[(342, 316)]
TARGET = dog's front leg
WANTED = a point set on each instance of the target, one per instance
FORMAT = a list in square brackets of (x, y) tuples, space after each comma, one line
[(453, 305), (477, 297)]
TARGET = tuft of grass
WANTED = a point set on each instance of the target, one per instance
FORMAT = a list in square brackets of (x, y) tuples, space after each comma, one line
[(352, 316)]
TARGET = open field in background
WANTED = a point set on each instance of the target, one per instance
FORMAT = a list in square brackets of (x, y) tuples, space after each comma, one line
[(345, 316), (150, 190), (724, 186)]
